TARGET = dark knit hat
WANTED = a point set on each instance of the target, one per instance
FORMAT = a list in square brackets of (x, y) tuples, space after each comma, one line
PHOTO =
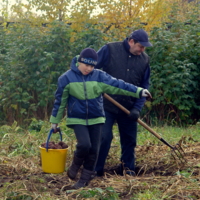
[(88, 56), (141, 36)]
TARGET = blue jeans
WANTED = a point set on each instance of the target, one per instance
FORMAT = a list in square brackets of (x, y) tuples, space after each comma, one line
[(128, 138), (88, 144)]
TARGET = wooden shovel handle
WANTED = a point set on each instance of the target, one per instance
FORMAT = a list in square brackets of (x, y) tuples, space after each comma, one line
[(128, 112)]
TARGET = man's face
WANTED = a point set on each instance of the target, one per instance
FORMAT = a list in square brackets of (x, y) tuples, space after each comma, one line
[(85, 69), (135, 48)]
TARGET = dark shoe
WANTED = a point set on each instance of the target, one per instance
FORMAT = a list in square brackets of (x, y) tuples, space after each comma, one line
[(74, 167), (86, 177), (123, 171), (130, 173), (99, 173)]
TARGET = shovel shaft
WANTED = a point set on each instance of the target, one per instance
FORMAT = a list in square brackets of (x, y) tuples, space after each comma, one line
[(139, 120)]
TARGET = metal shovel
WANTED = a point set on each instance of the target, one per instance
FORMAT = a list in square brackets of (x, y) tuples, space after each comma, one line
[(177, 151)]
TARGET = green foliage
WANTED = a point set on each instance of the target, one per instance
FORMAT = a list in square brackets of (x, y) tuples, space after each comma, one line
[(15, 141), (18, 196), (36, 125), (91, 37), (153, 194), (107, 194), (175, 70), (184, 173), (32, 59), (33, 62)]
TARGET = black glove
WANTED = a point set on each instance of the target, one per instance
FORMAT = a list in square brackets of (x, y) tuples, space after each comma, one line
[(134, 114)]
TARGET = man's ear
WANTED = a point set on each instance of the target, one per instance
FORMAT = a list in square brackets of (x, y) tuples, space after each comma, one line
[(131, 41)]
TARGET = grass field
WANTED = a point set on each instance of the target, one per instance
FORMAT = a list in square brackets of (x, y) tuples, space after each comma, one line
[(159, 175)]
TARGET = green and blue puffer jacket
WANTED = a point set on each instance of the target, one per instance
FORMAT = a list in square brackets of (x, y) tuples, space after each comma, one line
[(82, 95)]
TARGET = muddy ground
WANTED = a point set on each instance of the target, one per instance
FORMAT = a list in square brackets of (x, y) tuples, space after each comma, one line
[(157, 170)]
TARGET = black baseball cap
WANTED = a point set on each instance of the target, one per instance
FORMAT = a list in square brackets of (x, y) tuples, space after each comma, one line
[(141, 36)]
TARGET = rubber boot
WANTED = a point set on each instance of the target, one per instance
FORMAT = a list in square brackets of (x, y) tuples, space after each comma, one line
[(74, 167), (86, 177)]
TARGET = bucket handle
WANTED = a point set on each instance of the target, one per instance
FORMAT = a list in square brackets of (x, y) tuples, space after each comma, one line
[(49, 136)]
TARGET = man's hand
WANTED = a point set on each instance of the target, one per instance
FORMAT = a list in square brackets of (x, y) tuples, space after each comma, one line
[(134, 114), (146, 93), (54, 127)]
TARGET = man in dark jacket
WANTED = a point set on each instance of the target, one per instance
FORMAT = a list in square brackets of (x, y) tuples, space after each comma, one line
[(127, 61)]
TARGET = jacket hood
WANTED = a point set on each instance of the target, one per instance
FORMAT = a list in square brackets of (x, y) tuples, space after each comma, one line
[(74, 65)]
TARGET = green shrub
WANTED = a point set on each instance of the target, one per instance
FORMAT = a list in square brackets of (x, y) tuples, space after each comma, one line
[(32, 59), (175, 70)]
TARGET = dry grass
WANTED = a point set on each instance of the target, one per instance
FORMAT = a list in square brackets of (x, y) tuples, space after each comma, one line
[(158, 172), (158, 177)]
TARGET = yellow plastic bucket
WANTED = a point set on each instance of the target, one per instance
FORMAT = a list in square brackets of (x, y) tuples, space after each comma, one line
[(53, 160)]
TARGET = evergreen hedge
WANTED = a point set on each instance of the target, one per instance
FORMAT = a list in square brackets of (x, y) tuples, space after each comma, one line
[(32, 59)]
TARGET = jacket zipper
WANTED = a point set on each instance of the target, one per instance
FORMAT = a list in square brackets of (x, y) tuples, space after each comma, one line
[(86, 99)]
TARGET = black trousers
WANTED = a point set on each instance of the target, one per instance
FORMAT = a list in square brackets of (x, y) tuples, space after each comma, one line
[(128, 139), (88, 144)]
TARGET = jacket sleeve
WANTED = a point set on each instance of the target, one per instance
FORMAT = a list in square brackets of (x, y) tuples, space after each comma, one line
[(60, 103), (112, 85), (139, 103), (103, 57)]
